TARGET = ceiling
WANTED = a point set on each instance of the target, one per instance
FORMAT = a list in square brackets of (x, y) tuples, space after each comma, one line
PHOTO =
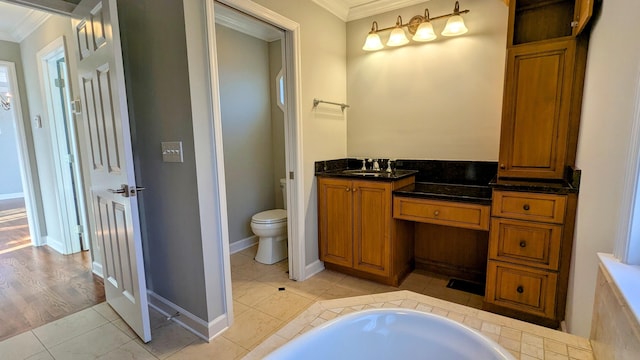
[(17, 22)]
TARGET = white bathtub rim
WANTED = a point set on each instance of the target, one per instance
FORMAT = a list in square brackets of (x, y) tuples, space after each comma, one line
[(345, 318)]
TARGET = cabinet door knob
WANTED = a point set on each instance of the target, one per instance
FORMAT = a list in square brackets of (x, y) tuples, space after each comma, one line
[(436, 213), (347, 189), (526, 207), (354, 189), (520, 289), (502, 166), (523, 244)]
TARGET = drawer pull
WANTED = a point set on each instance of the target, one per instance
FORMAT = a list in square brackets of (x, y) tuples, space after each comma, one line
[(520, 289), (523, 244), (526, 207), (436, 213)]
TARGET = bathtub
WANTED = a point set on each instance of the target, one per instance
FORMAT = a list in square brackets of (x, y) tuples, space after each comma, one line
[(391, 334)]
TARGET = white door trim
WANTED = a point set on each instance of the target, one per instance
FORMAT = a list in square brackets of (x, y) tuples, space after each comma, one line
[(66, 202), (293, 129), (26, 170)]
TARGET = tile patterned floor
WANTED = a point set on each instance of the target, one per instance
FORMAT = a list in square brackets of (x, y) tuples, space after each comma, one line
[(263, 312)]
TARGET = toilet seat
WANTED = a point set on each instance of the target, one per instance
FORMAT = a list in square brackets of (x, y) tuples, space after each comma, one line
[(275, 216)]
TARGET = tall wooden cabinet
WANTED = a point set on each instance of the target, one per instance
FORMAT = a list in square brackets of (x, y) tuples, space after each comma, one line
[(357, 232), (546, 60), (532, 223)]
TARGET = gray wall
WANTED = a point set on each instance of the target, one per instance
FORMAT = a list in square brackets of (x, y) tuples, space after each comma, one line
[(155, 59), (10, 181), (243, 67), (277, 122)]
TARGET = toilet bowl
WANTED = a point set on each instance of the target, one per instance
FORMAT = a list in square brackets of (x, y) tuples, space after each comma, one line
[(271, 228)]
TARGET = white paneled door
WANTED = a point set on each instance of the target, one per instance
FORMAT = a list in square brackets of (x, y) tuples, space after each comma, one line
[(113, 185)]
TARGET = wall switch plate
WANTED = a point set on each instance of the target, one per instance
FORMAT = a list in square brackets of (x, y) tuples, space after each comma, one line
[(172, 151)]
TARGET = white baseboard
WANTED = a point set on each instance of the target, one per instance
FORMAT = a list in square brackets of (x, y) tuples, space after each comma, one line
[(202, 329), (11, 196), (96, 267), (55, 244), (240, 245), (313, 268)]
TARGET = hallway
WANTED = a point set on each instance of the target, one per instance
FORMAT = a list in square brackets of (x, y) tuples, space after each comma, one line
[(37, 284)]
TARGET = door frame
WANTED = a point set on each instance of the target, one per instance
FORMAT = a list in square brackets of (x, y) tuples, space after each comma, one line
[(24, 156), (293, 138), (64, 196), (292, 124)]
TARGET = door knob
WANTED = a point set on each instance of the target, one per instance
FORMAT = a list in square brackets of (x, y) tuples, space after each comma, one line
[(119, 191), (124, 190)]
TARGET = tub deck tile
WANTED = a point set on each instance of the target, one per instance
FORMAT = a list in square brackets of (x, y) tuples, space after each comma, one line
[(524, 340)]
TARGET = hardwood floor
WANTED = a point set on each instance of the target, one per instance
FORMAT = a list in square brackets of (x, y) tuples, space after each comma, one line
[(37, 284), (14, 229)]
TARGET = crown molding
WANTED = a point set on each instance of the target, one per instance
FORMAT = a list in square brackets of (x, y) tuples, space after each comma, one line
[(379, 7), (29, 24), (340, 8)]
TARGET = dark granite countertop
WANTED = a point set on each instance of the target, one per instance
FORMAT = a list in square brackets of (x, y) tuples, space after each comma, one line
[(476, 194), (368, 174), (549, 187)]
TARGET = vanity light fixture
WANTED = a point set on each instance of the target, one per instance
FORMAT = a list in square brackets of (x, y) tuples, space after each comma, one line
[(5, 102), (421, 28)]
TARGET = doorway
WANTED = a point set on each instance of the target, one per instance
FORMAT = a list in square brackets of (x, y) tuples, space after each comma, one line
[(41, 284), (250, 61), (55, 89), (294, 180)]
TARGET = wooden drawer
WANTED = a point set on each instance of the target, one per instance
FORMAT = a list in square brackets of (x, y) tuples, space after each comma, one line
[(450, 213), (521, 288), (529, 206), (526, 243)]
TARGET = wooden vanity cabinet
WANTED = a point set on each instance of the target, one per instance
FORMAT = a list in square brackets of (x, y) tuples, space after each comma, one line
[(357, 233), (530, 245), (544, 77)]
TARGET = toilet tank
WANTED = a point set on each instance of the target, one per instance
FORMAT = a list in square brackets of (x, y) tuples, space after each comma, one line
[(283, 187)]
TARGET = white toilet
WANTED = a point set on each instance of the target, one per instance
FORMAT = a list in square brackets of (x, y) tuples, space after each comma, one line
[(271, 228)]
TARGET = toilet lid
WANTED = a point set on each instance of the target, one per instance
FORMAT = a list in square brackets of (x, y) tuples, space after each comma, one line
[(270, 217)]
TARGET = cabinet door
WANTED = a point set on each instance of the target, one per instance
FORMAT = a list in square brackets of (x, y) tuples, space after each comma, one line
[(521, 288), (525, 242), (536, 109), (583, 13), (335, 221), (372, 227)]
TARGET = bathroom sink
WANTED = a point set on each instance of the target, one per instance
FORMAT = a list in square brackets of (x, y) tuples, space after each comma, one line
[(364, 172)]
